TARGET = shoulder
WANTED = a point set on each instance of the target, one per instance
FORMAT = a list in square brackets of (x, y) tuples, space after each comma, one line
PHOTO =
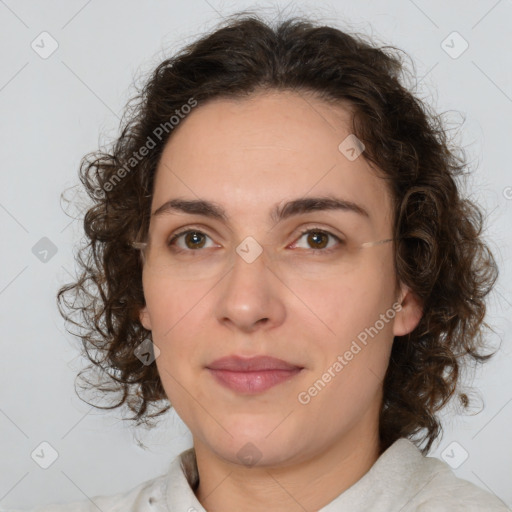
[(168, 491), (406, 480), (446, 492), (440, 490), (138, 499)]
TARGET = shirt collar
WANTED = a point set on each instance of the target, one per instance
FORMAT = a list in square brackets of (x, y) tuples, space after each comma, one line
[(391, 481), (182, 480)]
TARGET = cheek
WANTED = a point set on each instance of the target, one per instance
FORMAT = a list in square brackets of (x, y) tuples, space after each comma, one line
[(350, 312), (171, 302), (344, 307), (174, 310)]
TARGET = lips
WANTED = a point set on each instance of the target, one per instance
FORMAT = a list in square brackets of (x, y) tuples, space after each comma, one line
[(252, 375), (258, 363)]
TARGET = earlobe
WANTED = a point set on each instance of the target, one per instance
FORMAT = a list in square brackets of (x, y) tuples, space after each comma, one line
[(144, 318), (409, 316)]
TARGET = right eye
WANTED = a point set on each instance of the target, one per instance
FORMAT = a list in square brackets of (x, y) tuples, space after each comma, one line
[(193, 240)]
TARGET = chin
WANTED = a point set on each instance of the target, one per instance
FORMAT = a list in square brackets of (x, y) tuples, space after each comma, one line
[(256, 445)]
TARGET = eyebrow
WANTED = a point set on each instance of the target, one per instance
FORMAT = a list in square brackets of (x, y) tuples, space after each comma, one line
[(278, 213)]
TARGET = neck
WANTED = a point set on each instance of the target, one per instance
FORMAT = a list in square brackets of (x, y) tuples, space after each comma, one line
[(308, 485)]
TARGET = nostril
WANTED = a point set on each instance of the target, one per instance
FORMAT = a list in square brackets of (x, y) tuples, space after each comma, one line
[(151, 500)]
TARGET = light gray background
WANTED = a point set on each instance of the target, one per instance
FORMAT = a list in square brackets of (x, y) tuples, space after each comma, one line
[(55, 110)]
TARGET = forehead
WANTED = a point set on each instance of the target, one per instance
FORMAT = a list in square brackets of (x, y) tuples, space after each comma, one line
[(251, 154)]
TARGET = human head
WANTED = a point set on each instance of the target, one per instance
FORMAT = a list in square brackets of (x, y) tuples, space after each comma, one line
[(437, 253)]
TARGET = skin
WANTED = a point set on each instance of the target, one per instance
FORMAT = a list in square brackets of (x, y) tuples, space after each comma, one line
[(248, 155)]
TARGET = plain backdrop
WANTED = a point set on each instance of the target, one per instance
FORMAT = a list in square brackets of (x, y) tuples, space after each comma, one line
[(55, 108)]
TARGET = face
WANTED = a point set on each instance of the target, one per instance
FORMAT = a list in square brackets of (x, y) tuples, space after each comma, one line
[(305, 297)]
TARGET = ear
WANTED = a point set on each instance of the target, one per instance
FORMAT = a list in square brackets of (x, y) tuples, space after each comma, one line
[(409, 315), (144, 318)]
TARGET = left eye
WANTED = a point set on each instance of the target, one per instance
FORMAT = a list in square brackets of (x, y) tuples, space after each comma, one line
[(318, 238)]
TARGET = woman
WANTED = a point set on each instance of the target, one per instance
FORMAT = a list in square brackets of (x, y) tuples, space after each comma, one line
[(278, 249)]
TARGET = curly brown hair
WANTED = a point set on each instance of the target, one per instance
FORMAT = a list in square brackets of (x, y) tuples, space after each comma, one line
[(440, 254)]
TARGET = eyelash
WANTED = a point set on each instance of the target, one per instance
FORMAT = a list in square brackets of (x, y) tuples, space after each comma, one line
[(307, 230)]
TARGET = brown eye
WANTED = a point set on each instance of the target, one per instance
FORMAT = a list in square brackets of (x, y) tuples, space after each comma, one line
[(192, 239), (318, 240), (195, 238)]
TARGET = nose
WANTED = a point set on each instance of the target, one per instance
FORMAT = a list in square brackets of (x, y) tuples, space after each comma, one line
[(250, 296)]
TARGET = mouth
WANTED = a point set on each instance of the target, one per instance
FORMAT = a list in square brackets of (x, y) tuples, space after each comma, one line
[(252, 375)]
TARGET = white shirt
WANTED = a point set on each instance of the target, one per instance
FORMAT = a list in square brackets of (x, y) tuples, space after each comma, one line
[(401, 480)]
